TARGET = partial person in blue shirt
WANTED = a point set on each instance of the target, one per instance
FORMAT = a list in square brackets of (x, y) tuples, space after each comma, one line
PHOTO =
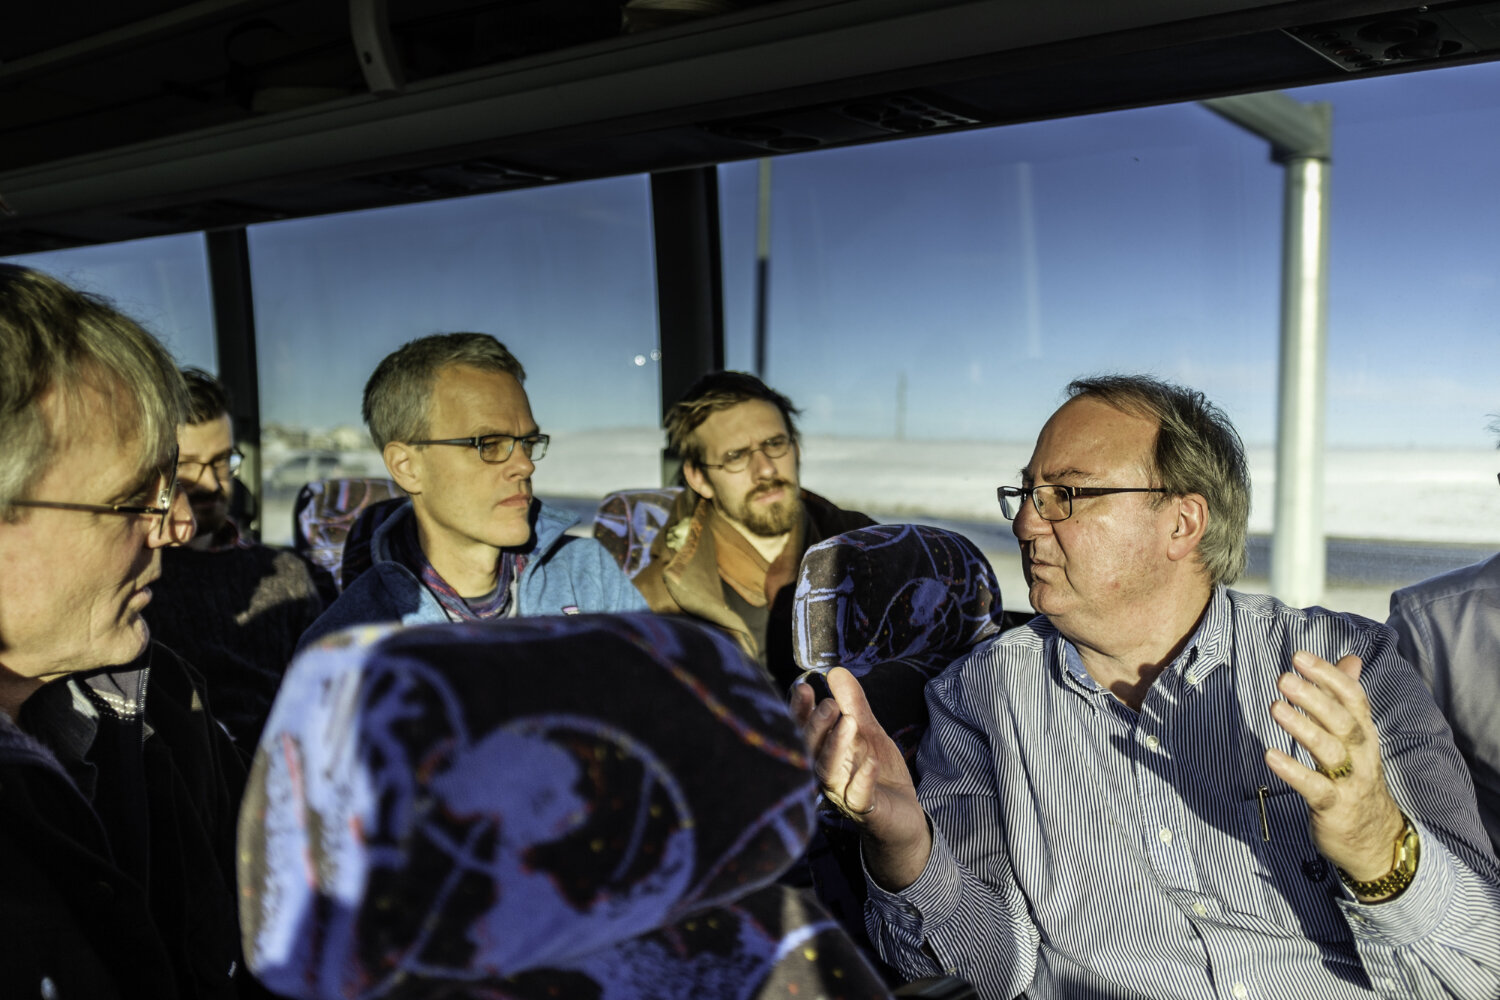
[(454, 426), (1161, 787), (1449, 628)]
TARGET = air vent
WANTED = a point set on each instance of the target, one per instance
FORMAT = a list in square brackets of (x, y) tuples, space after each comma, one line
[(1418, 35), (902, 113), (875, 117)]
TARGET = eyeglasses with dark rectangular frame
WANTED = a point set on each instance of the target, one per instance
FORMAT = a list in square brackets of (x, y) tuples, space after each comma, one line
[(163, 508), (739, 460), (497, 448), (226, 466), (1055, 503)]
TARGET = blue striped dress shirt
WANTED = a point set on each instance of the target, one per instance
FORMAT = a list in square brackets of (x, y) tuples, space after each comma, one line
[(1082, 849)]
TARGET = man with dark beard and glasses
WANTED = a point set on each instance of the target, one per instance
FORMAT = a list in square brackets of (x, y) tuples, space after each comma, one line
[(734, 541), (232, 607)]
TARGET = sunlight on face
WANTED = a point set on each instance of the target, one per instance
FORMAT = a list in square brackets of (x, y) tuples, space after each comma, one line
[(75, 582), (764, 497)]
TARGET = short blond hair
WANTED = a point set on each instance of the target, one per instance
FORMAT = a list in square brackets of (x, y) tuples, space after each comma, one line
[(398, 397)]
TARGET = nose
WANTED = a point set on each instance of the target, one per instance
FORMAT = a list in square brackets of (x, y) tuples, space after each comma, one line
[(1028, 523), (520, 465), (762, 466), (180, 527)]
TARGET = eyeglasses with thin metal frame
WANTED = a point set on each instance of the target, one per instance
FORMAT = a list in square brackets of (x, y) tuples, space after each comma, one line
[(739, 459), (497, 448), (1055, 503), (225, 467), (163, 508)]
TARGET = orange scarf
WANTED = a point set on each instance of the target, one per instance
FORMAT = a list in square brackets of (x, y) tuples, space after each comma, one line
[(746, 570)]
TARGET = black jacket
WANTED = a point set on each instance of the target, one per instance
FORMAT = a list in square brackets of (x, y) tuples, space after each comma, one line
[(101, 900)]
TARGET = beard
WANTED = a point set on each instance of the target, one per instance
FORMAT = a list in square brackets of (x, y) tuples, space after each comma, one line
[(210, 510), (778, 518)]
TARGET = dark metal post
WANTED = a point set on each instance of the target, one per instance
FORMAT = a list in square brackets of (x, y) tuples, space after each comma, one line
[(234, 335), (689, 282)]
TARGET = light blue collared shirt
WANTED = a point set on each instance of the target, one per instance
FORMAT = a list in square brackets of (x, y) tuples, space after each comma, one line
[(1083, 849)]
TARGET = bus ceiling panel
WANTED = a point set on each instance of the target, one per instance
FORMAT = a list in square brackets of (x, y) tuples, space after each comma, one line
[(793, 75)]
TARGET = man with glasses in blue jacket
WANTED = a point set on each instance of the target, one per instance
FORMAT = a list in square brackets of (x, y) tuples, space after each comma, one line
[(471, 542), (1159, 786)]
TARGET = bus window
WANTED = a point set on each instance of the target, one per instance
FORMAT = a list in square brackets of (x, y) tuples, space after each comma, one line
[(161, 283), (563, 276), (927, 300)]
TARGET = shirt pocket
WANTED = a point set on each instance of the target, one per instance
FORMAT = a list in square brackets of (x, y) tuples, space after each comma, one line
[(1290, 885)]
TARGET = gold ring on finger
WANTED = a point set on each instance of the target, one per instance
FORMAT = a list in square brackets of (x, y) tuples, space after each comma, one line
[(1335, 773)]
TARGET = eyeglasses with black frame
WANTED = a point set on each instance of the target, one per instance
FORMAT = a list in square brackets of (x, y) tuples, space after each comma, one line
[(739, 459), (225, 467), (165, 491), (497, 448), (1055, 503)]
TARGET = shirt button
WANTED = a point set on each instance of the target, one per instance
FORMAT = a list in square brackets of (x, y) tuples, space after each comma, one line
[(1153, 742), (1192, 678), (1200, 909), (1239, 991), (1165, 835), (1389, 984)]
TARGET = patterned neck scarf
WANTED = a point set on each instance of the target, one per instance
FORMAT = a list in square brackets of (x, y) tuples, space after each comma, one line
[(743, 567), (407, 548)]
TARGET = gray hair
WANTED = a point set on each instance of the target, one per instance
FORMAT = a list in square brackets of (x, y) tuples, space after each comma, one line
[(1197, 451), (54, 338), (398, 397)]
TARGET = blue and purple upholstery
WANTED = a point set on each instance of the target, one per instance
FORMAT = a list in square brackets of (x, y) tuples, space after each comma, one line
[(323, 515), (588, 807), (628, 520), (894, 604)]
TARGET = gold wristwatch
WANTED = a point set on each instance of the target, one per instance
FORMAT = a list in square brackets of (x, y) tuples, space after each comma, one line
[(1392, 883)]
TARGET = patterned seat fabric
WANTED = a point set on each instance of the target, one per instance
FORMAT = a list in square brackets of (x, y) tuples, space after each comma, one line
[(894, 604), (628, 520), (587, 807), (323, 515)]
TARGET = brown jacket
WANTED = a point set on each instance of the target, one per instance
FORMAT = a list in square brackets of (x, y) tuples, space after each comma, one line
[(683, 576)]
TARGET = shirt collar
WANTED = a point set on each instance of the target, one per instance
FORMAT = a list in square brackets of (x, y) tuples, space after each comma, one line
[(1205, 651)]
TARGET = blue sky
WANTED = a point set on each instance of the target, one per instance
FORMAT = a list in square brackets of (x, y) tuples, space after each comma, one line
[(987, 268)]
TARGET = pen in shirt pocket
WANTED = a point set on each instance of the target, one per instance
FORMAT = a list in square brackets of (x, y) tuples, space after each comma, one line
[(1260, 800)]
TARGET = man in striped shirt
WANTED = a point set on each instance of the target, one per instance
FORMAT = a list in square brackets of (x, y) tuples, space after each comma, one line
[(1161, 787)]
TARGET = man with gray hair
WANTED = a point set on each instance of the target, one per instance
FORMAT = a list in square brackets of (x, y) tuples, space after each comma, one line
[(1161, 787), (117, 809), (455, 429)]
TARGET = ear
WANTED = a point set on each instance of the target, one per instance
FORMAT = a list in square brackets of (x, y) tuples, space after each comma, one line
[(1188, 527), (697, 480), (404, 463)]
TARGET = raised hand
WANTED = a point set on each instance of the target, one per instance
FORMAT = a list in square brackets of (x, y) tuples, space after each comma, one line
[(1354, 820), (864, 776)]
